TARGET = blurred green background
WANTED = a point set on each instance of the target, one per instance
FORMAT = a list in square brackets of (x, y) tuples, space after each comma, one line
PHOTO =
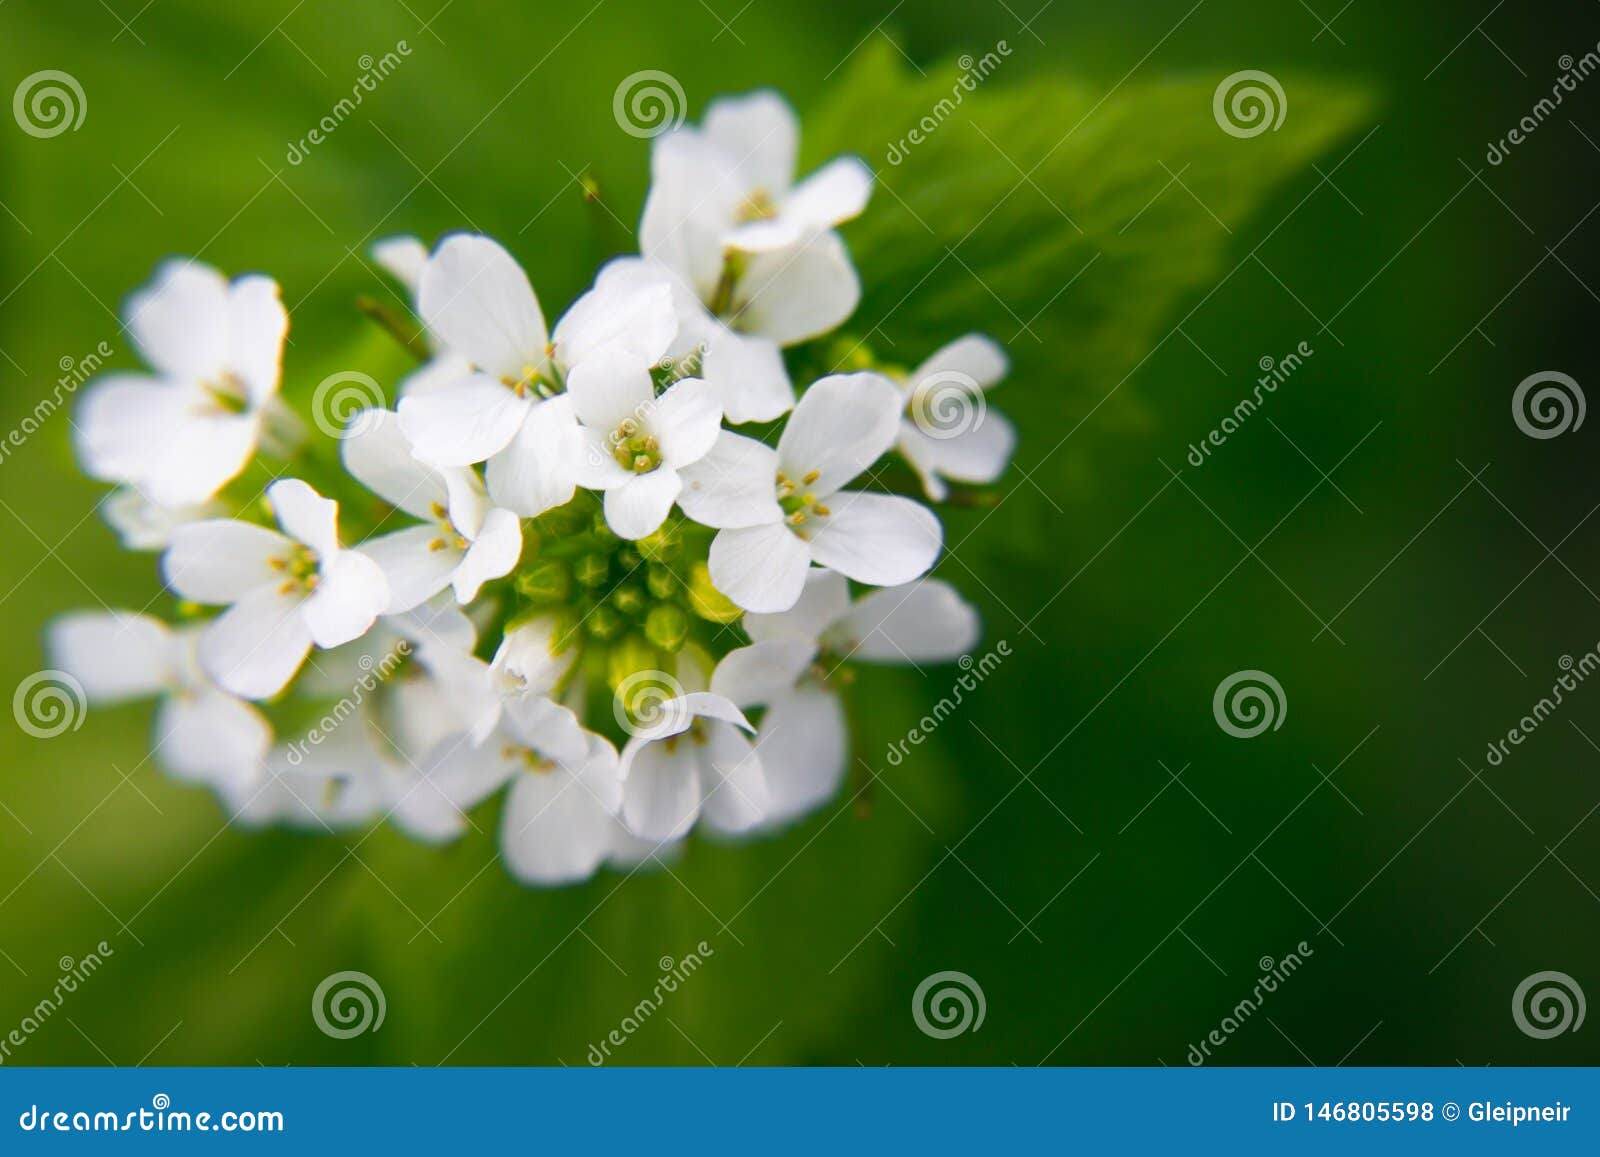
[(1082, 206)]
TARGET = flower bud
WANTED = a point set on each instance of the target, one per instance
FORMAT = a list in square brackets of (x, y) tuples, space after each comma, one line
[(667, 626)]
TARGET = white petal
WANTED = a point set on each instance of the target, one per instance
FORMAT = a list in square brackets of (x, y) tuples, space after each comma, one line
[(628, 313), (640, 505), (492, 554), (794, 294), (977, 451), (824, 601), (305, 515), (610, 389), (661, 795), (478, 301), (144, 525), (414, 571), (686, 421), (161, 437), (695, 191), (254, 647), (221, 560), (528, 657), (351, 592), (206, 736), (403, 258), (975, 356), (881, 539), (732, 777), (597, 467), (257, 326), (180, 320), (803, 746), (466, 502), (114, 656), (733, 485), (761, 568), (923, 622), (457, 776), (378, 454), (547, 727), (756, 675), (833, 194), (748, 375), (762, 133), (842, 425), (538, 470), (464, 423), (440, 372), (558, 825)]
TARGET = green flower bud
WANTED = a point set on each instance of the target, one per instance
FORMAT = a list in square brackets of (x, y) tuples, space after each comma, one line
[(661, 582), (604, 623), (592, 569), (667, 626), (629, 656), (663, 545), (629, 600), (708, 602), (545, 580)]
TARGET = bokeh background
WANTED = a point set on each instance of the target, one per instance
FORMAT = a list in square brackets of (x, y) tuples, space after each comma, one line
[(1082, 839)]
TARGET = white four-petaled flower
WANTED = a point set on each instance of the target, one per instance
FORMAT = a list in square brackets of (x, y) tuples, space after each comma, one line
[(948, 431), (284, 592), (781, 510), (465, 539), (510, 410), (182, 433)]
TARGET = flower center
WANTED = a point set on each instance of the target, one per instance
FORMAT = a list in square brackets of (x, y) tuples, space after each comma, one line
[(227, 393), (299, 570), (541, 380), (634, 448), (800, 506), (757, 206), (451, 536), (531, 760)]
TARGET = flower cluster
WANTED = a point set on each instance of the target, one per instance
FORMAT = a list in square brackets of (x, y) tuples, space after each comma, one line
[(554, 568)]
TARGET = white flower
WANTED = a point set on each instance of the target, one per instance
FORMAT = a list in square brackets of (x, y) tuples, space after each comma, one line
[(404, 258), (802, 737), (692, 759), (634, 443), (948, 431), (144, 525), (509, 411), (283, 593), (755, 262), (203, 734), (781, 510), (560, 812), (465, 540), (184, 432)]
